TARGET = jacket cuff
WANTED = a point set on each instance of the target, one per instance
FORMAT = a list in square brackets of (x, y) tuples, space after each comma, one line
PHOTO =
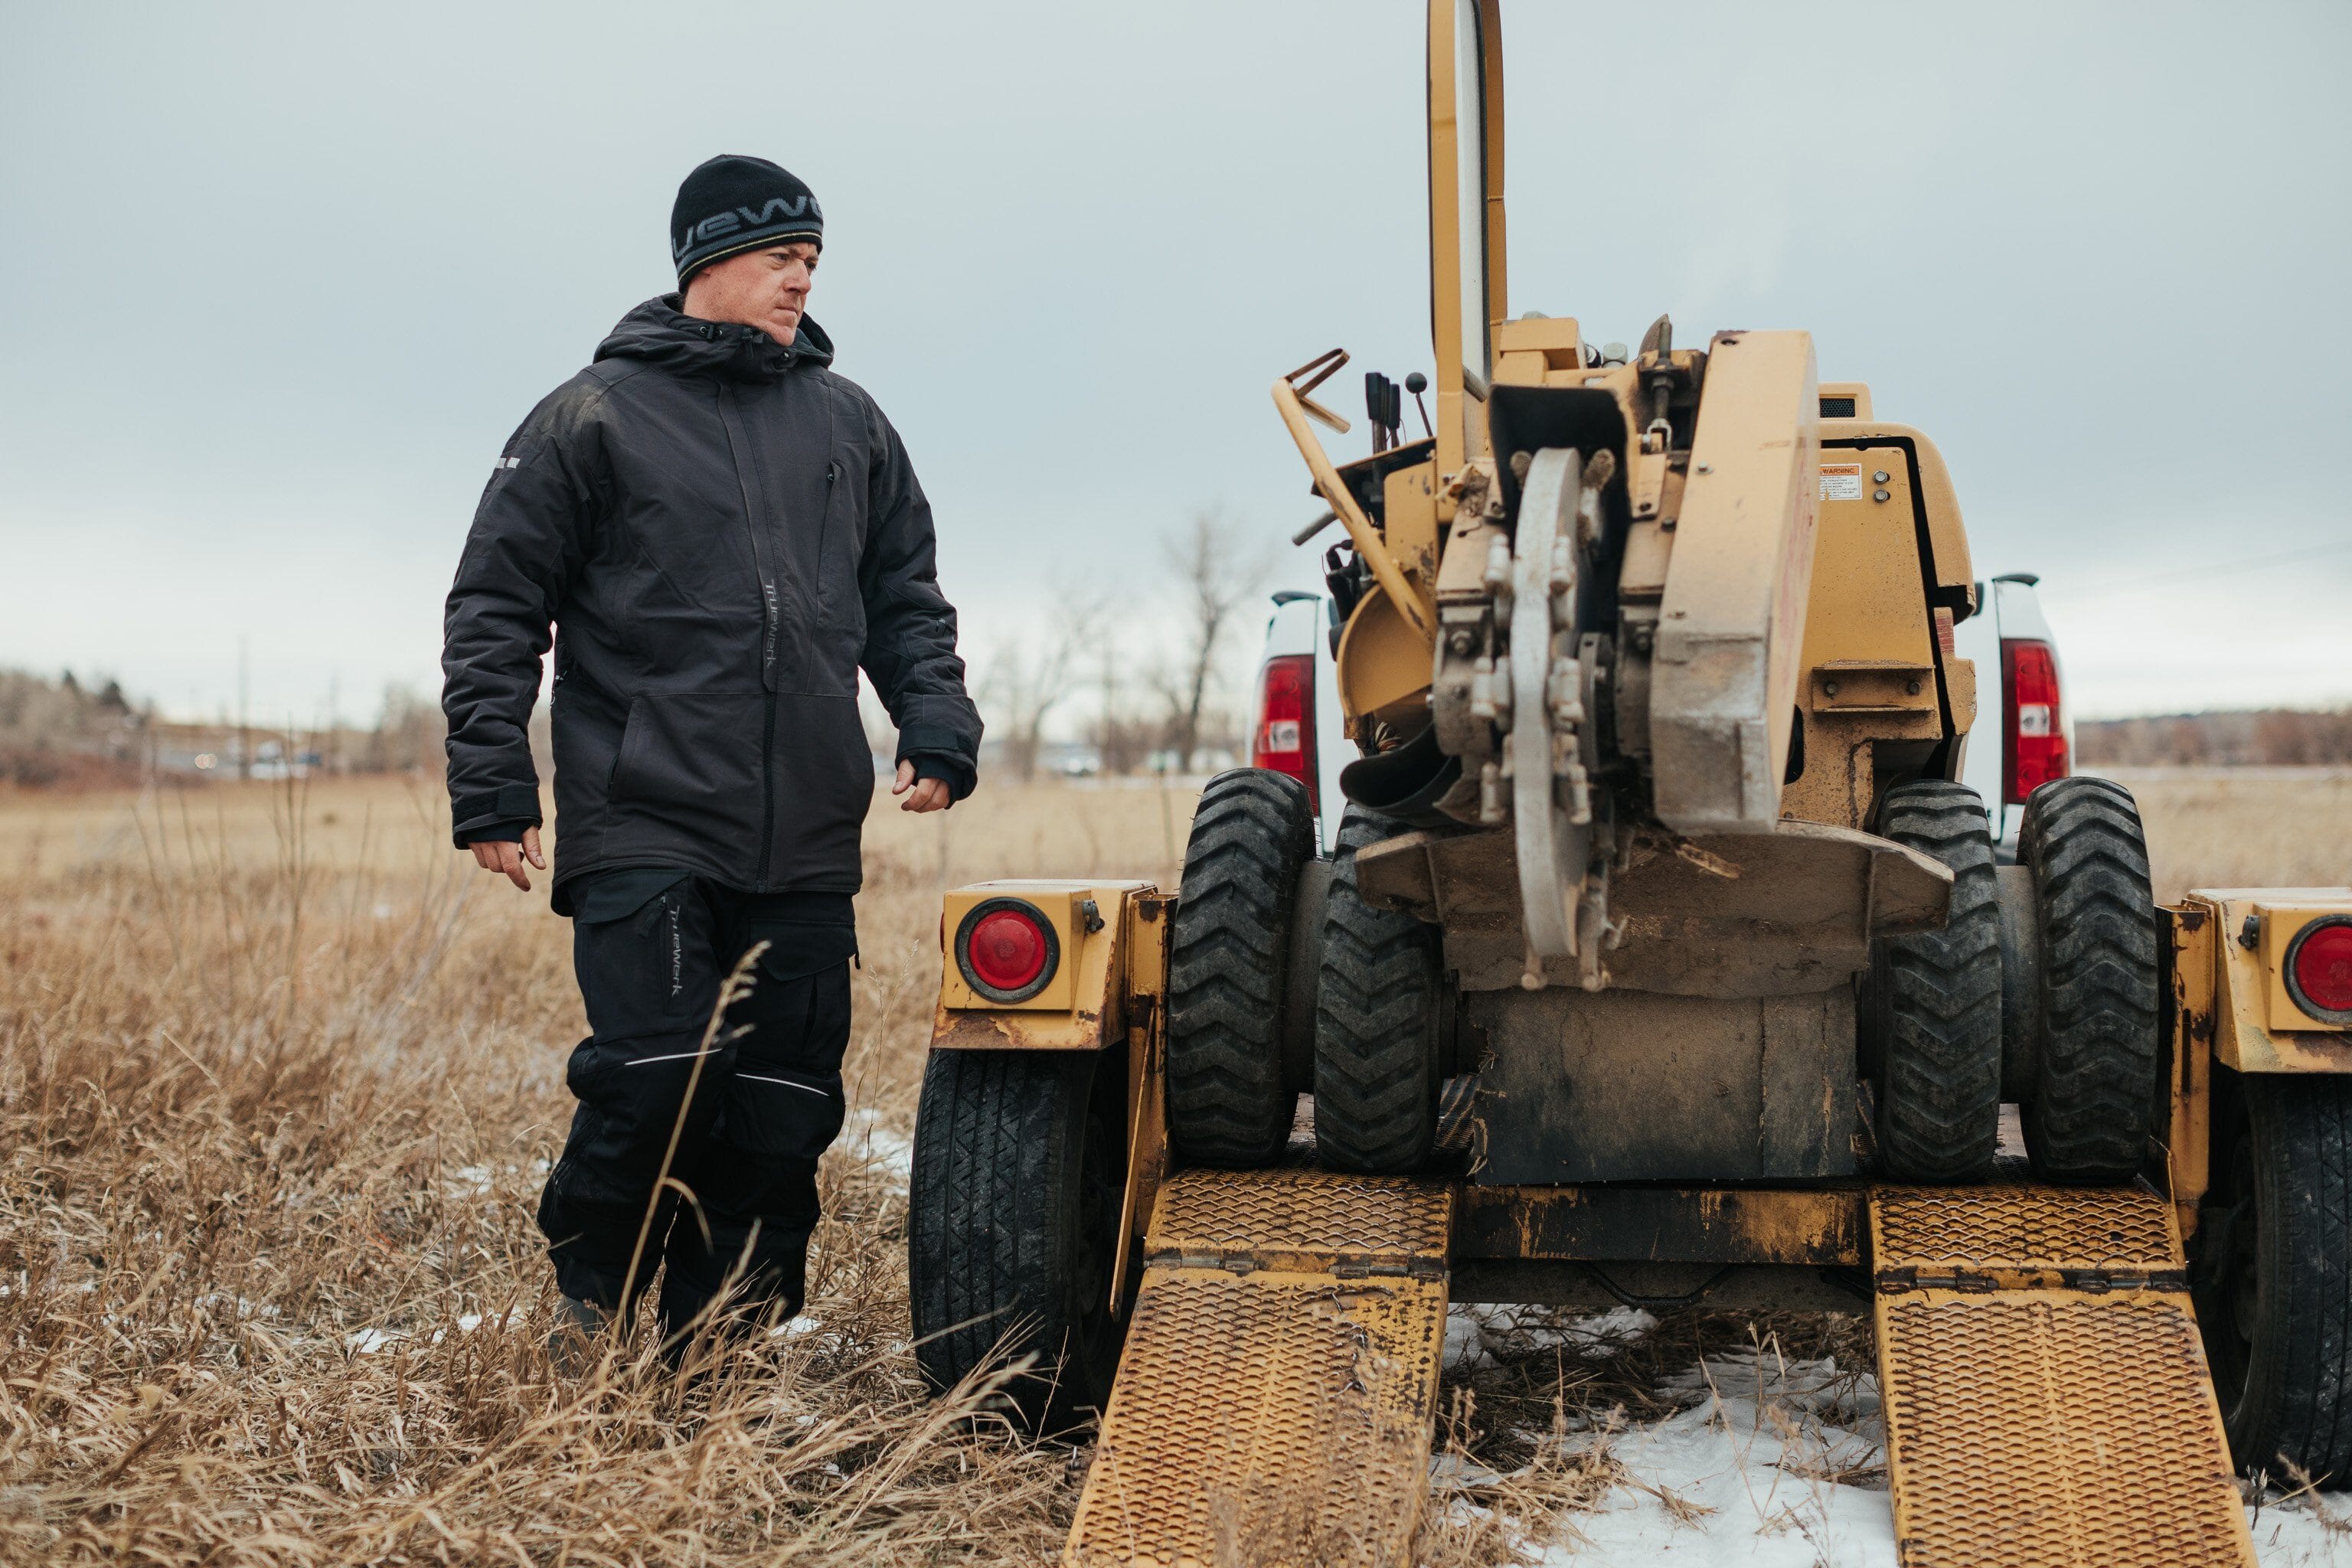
[(938, 738), (952, 768), (509, 830), (511, 807)]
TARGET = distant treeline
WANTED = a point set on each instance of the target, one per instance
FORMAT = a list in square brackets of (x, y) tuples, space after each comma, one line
[(64, 733), (2275, 737)]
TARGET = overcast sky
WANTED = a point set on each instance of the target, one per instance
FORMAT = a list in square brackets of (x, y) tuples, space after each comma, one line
[(278, 281)]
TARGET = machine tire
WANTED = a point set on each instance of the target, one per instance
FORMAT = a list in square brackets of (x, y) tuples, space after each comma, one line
[(2096, 1072), (1012, 1226), (1228, 969), (1931, 1009), (1379, 1023), (2274, 1279)]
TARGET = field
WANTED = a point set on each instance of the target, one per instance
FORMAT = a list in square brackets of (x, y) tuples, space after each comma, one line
[(279, 1076)]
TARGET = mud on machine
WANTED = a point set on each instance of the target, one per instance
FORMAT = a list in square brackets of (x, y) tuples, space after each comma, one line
[(1662, 959)]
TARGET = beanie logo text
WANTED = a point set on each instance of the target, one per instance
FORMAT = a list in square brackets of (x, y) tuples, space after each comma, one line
[(780, 209)]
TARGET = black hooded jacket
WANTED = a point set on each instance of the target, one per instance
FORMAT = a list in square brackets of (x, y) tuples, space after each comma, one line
[(721, 531)]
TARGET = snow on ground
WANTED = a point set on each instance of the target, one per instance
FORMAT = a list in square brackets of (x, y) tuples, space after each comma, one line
[(371, 1342), (890, 1154), (1768, 1464)]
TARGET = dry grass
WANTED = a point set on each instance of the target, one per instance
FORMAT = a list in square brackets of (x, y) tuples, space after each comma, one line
[(2244, 827), (278, 1082)]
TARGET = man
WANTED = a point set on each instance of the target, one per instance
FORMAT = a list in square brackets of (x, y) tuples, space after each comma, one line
[(721, 532)]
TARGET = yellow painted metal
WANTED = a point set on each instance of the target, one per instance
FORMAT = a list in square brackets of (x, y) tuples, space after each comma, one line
[(1724, 687), (1370, 546), (2046, 1396), (2245, 1000), (1382, 663), (1304, 1220), (1947, 536), (1147, 924), (1083, 1007), (1529, 352), (2014, 1236), (2283, 918), (2190, 929), (1409, 525), (1874, 640), (1276, 1399), (1460, 432)]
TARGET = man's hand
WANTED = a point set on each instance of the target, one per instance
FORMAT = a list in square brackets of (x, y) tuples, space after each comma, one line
[(930, 794), (506, 856)]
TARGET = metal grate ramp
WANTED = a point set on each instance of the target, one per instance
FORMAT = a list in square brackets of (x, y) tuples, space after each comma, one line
[(1276, 1399), (2046, 1396)]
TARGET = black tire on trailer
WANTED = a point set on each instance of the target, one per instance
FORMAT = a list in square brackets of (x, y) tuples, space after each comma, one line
[(2273, 1277), (1228, 969), (1931, 1006), (1013, 1225), (1379, 1023), (2096, 1073)]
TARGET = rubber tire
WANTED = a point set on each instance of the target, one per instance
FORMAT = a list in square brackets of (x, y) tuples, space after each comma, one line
[(1931, 1009), (2275, 1302), (1228, 969), (2096, 1077), (1012, 1226), (1379, 1014)]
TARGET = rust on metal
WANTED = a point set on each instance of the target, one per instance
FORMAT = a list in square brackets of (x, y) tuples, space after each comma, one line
[(1823, 1225), (2019, 1235), (2045, 1426), (1304, 1220), (1269, 1414), (2055, 1408)]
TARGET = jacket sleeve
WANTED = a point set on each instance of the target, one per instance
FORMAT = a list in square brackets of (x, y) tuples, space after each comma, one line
[(911, 627), (525, 548)]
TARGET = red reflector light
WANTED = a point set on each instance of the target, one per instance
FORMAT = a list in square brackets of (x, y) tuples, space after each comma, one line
[(1283, 740), (1006, 950), (2033, 729), (2319, 969)]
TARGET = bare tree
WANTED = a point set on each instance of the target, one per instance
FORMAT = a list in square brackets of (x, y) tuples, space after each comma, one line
[(1217, 569), (1030, 675)]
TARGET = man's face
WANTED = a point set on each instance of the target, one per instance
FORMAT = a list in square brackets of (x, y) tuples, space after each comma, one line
[(764, 288)]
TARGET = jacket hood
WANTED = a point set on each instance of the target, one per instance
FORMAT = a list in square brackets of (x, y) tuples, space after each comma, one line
[(657, 333)]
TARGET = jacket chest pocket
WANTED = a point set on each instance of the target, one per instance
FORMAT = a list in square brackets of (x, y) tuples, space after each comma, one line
[(841, 535)]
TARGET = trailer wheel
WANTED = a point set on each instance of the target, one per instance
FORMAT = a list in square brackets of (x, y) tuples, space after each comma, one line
[(1931, 1007), (1228, 969), (2273, 1277), (1379, 1023), (1013, 1225), (2095, 1073)]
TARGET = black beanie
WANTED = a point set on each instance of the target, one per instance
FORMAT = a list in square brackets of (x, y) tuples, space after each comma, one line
[(734, 204)]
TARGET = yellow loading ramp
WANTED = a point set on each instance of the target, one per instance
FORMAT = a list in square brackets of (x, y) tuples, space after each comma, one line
[(2046, 1396), (1279, 1384)]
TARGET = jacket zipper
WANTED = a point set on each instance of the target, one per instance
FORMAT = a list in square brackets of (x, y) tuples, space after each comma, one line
[(769, 623)]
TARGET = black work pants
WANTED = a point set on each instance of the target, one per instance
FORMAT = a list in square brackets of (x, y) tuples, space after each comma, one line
[(767, 1102)]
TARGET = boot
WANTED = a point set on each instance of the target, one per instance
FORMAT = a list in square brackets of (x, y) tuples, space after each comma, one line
[(571, 1340)]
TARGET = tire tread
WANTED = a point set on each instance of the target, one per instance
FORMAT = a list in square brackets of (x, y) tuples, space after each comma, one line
[(2095, 1085), (1376, 1040), (1227, 955), (1935, 998)]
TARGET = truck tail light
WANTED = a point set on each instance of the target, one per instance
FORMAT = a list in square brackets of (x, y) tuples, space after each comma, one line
[(2032, 730), (2319, 969), (1285, 738), (1006, 949)]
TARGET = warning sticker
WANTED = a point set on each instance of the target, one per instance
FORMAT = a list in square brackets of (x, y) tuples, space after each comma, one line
[(1841, 481)]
